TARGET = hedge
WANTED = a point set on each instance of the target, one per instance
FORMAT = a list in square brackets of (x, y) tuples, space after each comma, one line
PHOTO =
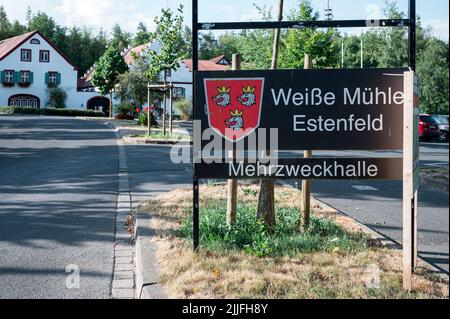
[(52, 112)]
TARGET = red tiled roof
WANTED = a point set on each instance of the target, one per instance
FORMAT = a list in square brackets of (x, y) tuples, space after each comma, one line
[(216, 60), (206, 65), (7, 46), (129, 56)]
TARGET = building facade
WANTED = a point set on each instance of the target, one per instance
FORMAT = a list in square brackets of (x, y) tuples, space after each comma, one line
[(29, 65)]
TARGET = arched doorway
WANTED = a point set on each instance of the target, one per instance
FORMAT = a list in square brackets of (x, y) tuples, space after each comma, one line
[(24, 100), (99, 103)]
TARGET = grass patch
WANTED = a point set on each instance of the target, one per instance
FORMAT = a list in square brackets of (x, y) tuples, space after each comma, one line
[(436, 177), (333, 260), (252, 236), (159, 135)]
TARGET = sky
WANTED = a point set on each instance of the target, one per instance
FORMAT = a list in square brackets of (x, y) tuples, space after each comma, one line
[(102, 14)]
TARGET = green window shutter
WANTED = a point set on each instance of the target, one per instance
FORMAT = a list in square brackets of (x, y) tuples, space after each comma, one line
[(2, 76), (47, 78), (58, 78), (31, 77), (17, 77)]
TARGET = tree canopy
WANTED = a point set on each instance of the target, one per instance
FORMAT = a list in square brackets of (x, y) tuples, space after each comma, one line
[(108, 69)]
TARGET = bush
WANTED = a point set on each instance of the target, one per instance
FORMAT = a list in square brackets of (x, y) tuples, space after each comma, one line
[(56, 97), (185, 107), (123, 109), (57, 112), (252, 236), (143, 119)]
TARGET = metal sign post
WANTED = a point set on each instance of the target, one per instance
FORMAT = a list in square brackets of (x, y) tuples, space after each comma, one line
[(195, 182), (397, 137), (411, 177)]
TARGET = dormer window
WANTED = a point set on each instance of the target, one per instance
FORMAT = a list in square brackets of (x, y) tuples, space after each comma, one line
[(44, 56), (35, 41), (25, 55)]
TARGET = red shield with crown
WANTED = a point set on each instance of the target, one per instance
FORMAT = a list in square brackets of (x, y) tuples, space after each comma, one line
[(234, 106)]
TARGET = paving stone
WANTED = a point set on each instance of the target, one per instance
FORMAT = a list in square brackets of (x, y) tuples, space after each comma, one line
[(119, 247), (124, 260), (124, 253), (123, 284), (123, 293), (123, 267), (123, 237), (120, 275)]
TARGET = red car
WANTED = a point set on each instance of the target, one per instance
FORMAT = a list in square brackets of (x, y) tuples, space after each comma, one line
[(428, 127)]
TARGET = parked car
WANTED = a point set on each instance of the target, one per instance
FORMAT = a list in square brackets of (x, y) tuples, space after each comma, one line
[(443, 127), (428, 127)]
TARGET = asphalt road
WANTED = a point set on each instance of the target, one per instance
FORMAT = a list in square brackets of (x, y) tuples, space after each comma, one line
[(58, 192)]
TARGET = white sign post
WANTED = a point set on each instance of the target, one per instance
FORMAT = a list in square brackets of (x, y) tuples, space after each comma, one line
[(411, 176)]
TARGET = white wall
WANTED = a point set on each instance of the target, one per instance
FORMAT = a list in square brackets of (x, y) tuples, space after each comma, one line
[(182, 77), (57, 63)]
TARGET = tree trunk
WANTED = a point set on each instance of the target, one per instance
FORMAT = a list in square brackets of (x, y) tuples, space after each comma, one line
[(266, 205), (149, 114), (306, 184), (276, 42), (165, 102), (110, 104)]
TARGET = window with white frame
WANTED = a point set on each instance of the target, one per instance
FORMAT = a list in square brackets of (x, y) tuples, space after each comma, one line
[(52, 77), (25, 55), (9, 76), (44, 56), (24, 76)]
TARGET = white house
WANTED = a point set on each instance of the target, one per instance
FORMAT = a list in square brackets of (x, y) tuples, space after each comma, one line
[(29, 64)]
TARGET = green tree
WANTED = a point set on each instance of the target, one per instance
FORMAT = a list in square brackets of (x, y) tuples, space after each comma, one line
[(167, 34), (133, 84), (85, 48), (49, 28), (208, 46), (17, 28), (5, 25), (120, 39), (298, 42), (169, 55), (107, 71), (142, 35), (394, 49), (255, 46), (433, 71)]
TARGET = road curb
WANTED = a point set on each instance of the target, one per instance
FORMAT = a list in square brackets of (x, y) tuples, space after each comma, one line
[(123, 281), (147, 273), (142, 141)]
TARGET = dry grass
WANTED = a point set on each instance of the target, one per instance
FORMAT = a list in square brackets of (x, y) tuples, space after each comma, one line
[(231, 274)]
